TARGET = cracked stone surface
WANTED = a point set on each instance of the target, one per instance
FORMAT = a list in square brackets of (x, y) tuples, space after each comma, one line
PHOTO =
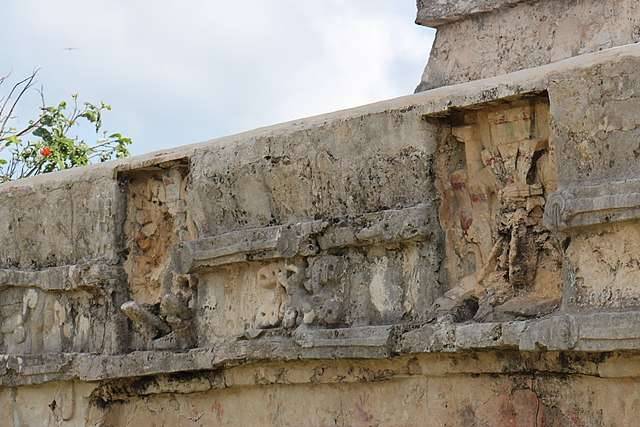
[(478, 39), (462, 256)]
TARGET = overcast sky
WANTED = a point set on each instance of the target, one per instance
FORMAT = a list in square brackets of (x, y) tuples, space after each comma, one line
[(178, 72)]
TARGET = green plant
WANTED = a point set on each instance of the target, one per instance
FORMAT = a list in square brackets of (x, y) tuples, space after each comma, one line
[(48, 143)]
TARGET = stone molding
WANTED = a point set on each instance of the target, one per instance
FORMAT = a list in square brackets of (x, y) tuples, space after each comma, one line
[(86, 276), (307, 238), (585, 205), (604, 332)]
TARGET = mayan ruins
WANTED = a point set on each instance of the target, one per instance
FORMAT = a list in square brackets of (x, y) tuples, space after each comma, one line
[(468, 255)]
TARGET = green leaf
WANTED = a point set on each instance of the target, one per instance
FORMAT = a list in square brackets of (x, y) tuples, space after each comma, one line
[(42, 132), (12, 140)]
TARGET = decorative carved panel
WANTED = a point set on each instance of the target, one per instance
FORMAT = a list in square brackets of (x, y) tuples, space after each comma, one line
[(495, 169)]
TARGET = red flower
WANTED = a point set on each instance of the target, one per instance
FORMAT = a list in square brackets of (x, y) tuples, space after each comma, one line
[(46, 151)]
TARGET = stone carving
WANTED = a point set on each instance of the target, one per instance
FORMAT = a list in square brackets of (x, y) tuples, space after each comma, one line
[(169, 323), (288, 276), (584, 205), (168, 326), (33, 320), (301, 294), (492, 209), (325, 292), (283, 280), (161, 305), (144, 318), (271, 311), (13, 325), (40, 310), (304, 282)]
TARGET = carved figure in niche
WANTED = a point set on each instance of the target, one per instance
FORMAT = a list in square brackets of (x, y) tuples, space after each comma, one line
[(300, 294), (495, 171), (282, 280), (169, 325)]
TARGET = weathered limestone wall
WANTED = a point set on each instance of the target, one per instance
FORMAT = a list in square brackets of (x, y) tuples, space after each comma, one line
[(462, 256), (477, 39), (474, 389), (407, 391)]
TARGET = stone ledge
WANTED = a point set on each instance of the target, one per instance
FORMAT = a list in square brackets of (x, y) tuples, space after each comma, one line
[(86, 276), (307, 238), (585, 205), (434, 13), (589, 333)]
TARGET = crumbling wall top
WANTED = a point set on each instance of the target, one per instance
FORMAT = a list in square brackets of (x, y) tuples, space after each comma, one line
[(433, 13)]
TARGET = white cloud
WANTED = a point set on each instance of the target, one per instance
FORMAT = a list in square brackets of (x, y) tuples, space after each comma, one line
[(182, 71)]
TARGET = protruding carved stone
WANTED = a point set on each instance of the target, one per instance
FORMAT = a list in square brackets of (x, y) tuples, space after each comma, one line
[(497, 245), (307, 238), (282, 280), (271, 311), (591, 204), (555, 211), (172, 328), (145, 319)]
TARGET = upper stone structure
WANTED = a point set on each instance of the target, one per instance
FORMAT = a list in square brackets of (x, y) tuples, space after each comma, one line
[(477, 39), (463, 256)]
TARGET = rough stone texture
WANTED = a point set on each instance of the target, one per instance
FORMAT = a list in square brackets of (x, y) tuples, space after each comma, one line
[(463, 256), (434, 13), (519, 400), (514, 35)]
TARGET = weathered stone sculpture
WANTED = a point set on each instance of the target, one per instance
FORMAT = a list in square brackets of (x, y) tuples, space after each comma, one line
[(463, 256), (497, 248)]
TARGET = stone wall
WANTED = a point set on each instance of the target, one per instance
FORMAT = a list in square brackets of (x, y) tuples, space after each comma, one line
[(463, 256), (478, 39)]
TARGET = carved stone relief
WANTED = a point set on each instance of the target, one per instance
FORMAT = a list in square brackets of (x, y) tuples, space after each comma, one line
[(377, 268), (33, 321), (60, 309), (496, 169), (302, 292), (283, 280), (169, 326)]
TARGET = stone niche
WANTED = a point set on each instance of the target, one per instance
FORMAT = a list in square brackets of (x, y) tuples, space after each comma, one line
[(156, 222), (495, 169)]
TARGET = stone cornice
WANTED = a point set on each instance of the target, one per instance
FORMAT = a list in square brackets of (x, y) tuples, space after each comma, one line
[(308, 238), (604, 332)]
